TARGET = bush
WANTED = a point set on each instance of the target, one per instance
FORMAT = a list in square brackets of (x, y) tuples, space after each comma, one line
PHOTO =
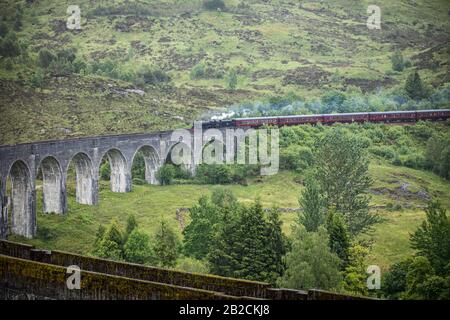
[(383, 151), (398, 63), (36, 80), (148, 75), (214, 174), (296, 158), (45, 57), (414, 161), (165, 174), (9, 46)]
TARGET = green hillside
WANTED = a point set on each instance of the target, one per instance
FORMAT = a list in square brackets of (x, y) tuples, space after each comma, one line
[(76, 231), (182, 56)]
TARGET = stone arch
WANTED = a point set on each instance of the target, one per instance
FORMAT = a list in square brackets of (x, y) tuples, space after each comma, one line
[(183, 154), (86, 192), (53, 188), (22, 200), (152, 162), (120, 178)]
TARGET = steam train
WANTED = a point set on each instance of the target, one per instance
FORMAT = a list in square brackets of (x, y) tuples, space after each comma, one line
[(385, 117)]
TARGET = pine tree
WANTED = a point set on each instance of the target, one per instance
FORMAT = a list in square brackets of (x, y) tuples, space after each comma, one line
[(414, 87), (137, 248), (313, 207), (131, 225), (339, 238), (165, 246), (248, 245)]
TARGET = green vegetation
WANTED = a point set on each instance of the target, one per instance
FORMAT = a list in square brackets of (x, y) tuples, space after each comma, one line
[(311, 264), (151, 65), (186, 59), (427, 274)]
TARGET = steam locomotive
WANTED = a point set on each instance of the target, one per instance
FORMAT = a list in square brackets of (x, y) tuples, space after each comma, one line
[(385, 117)]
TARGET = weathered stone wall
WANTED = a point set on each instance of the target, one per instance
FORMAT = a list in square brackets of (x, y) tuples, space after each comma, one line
[(228, 286), (202, 285), (46, 280)]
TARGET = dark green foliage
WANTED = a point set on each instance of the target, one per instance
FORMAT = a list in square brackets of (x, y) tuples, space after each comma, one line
[(414, 87), (310, 263), (165, 174), (138, 168), (149, 75), (296, 158), (394, 281), (206, 71), (4, 29), (312, 203), (427, 275), (398, 63), (109, 242), (105, 171), (10, 46), (333, 102), (199, 234), (165, 246), (421, 281), (36, 80), (131, 225), (45, 57), (339, 237), (432, 238), (248, 244), (214, 174), (438, 155), (225, 174), (137, 248), (232, 80), (214, 5)]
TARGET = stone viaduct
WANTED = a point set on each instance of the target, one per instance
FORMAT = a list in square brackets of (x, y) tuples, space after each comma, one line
[(22, 163)]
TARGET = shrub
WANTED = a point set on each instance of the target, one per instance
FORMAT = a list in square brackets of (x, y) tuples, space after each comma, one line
[(9, 46), (398, 63), (36, 80), (383, 151), (149, 75), (45, 57), (214, 174), (165, 174)]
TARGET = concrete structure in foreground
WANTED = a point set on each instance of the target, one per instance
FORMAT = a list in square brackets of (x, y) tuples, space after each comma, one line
[(22, 162)]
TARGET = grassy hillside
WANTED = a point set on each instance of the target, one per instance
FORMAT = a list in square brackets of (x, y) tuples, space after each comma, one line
[(406, 189), (274, 47)]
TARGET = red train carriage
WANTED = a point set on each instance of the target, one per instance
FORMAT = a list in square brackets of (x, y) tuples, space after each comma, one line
[(433, 114), (392, 116), (256, 122), (346, 117), (295, 120)]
